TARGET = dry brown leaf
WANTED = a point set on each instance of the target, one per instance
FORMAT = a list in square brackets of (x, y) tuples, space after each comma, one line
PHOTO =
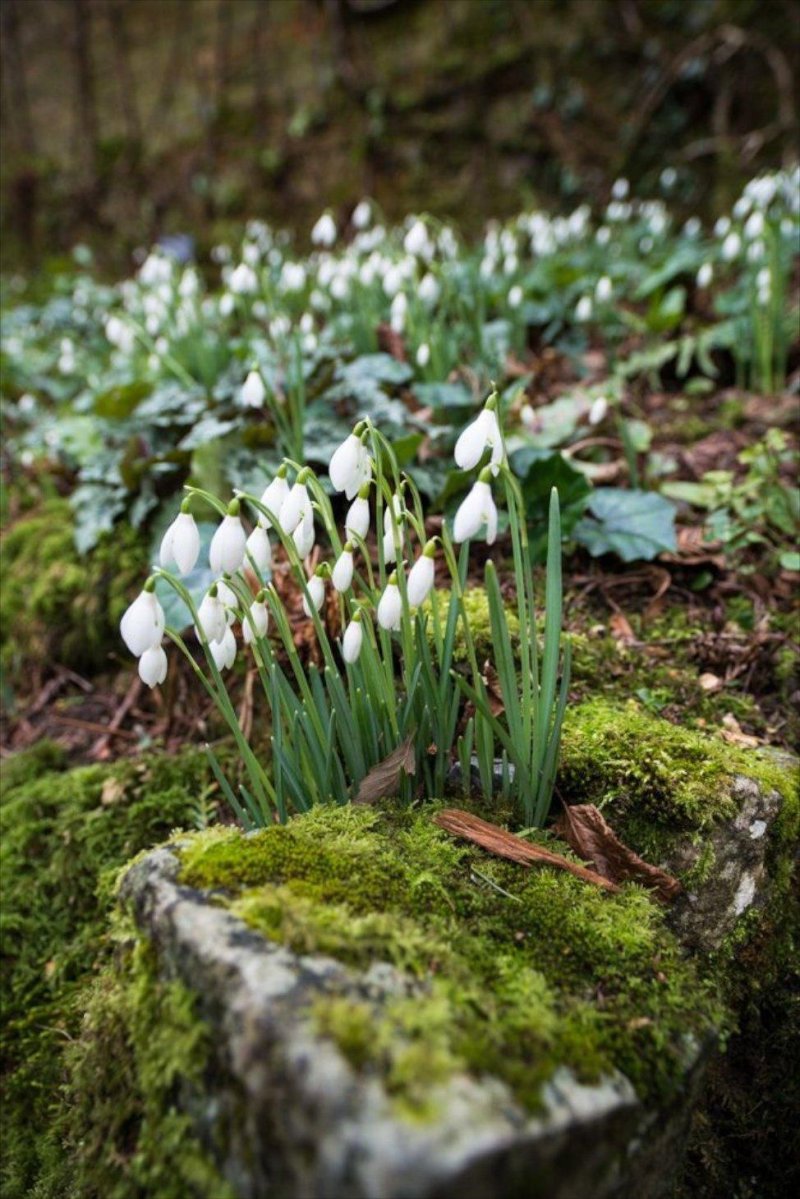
[(383, 780), (113, 791), (733, 734), (621, 630), (587, 832), (503, 844), (710, 682)]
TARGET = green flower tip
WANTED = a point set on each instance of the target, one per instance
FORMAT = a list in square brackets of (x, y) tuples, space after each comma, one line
[(186, 505), (304, 475), (430, 547), (486, 475), (363, 492), (261, 597), (233, 508), (323, 571), (347, 547), (213, 591), (392, 580), (491, 403), (150, 584), (356, 615), (360, 428), (283, 470)]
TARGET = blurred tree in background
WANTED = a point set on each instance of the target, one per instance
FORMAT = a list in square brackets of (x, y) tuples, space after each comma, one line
[(138, 117)]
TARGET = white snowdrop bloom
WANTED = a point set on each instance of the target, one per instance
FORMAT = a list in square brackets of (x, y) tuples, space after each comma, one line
[(515, 296), (731, 246), (353, 639), (598, 411), (259, 549), (224, 651), (251, 254), (428, 290), (755, 251), (423, 355), (253, 390), (362, 214), (487, 267), (390, 606), (511, 264), (416, 240), (152, 324), (212, 619), (421, 576), (742, 207), (583, 309), (309, 343), (528, 415), (226, 552), (114, 330), (226, 304), (256, 623), (279, 326), (294, 506), (343, 569), (476, 510), (340, 286), (668, 178), (243, 280), (316, 594), (142, 624), (306, 323), (260, 310), (481, 433), (692, 227), (367, 273), (356, 522), (754, 225), (319, 301), (26, 403), (274, 495), (346, 468), (645, 245), (189, 284), (620, 189), (603, 235), (153, 666), (229, 600), (181, 544), (603, 290), (303, 535), (705, 275), (397, 312), (324, 231), (389, 548), (722, 226), (293, 276), (392, 281)]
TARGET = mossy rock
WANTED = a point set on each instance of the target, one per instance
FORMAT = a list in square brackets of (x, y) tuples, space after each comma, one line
[(56, 606)]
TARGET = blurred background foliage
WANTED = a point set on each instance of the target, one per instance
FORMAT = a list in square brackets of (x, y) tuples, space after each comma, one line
[(123, 120)]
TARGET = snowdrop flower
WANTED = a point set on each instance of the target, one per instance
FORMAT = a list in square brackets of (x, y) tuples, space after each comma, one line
[(754, 226), (692, 227), (303, 535), (343, 569), (603, 235), (423, 355), (476, 510), (316, 593), (274, 496), (181, 542), (722, 226), (294, 506), (229, 600), (481, 433), (421, 575), (397, 312), (356, 523), (620, 189), (153, 666), (390, 606), (668, 178), (515, 296), (603, 289), (212, 620), (731, 246), (324, 231), (350, 466), (142, 624), (256, 622), (705, 275), (253, 391), (583, 309), (428, 290), (259, 548), (224, 651), (755, 251), (362, 214), (353, 638), (416, 240), (598, 410), (243, 280), (226, 553), (226, 304)]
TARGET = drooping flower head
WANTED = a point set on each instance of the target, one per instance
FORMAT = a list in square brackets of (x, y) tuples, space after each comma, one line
[(390, 605), (275, 494), (421, 576), (181, 542), (142, 624), (482, 434), (476, 510), (353, 638), (227, 550)]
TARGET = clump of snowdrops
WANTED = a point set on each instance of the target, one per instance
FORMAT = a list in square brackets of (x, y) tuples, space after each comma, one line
[(387, 695)]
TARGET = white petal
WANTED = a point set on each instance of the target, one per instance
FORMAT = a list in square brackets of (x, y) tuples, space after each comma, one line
[(229, 600), (259, 548), (344, 467), (343, 571), (420, 580), (304, 534), (353, 638), (293, 508), (142, 625), (165, 556), (212, 621), (226, 553), (274, 497), (390, 607), (224, 651), (316, 590), (153, 666), (253, 390), (491, 522), (357, 519), (471, 513), (472, 442), (389, 550), (259, 620), (185, 542)]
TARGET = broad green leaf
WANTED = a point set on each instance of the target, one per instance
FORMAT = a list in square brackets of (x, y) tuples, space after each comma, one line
[(631, 524)]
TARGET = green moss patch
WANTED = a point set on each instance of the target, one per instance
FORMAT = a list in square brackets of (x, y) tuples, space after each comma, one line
[(63, 837), (518, 971), (56, 605)]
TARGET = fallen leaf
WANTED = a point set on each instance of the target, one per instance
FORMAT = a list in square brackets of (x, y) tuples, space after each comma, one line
[(384, 779), (733, 734), (112, 792), (503, 844), (587, 832), (710, 682), (621, 630)]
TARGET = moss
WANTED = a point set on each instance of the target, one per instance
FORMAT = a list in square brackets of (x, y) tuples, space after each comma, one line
[(553, 973), (477, 608), (63, 837), (56, 605)]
